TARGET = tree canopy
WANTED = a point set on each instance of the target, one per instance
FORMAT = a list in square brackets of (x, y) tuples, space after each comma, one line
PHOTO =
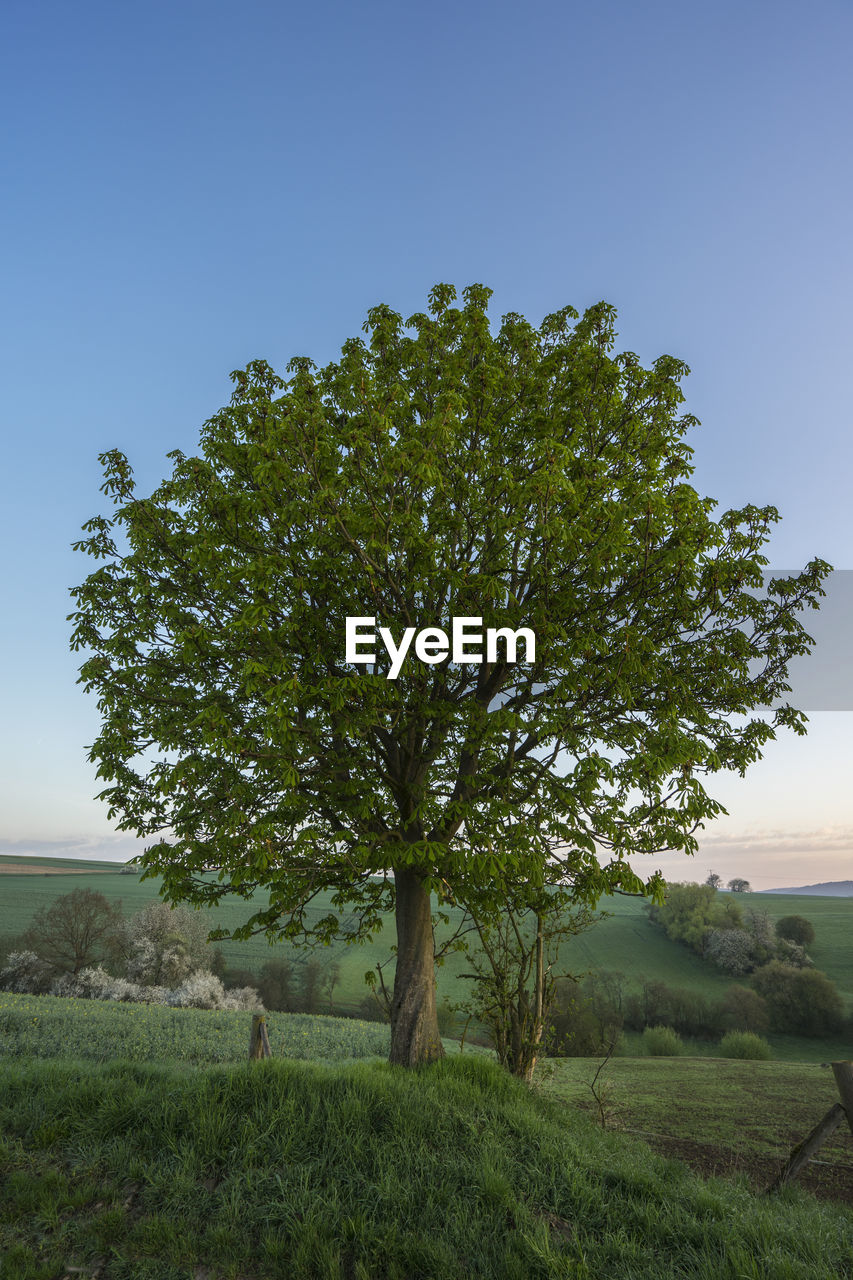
[(528, 478), (75, 930)]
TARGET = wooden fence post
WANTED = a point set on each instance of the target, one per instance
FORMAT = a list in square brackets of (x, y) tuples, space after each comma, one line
[(803, 1151), (843, 1072), (259, 1044)]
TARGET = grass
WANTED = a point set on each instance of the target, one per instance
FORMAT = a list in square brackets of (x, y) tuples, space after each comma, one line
[(625, 942), (748, 1106), (365, 1172), (99, 1030)]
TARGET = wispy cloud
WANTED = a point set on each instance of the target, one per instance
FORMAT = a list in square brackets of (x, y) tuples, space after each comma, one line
[(824, 840), (770, 858), (117, 848)]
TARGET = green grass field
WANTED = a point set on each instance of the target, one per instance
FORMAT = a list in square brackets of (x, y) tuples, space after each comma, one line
[(365, 1172), (722, 1117), (624, 942)]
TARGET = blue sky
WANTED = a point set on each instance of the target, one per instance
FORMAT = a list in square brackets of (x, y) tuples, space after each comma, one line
[(190, 186)]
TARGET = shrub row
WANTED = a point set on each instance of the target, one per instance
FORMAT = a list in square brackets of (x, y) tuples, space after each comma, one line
[(25, 973)]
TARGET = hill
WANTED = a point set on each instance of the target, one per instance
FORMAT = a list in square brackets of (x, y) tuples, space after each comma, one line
[(365, 1172), (829, 889), (623, 940)]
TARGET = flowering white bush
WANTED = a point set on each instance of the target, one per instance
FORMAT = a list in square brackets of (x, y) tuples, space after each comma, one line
[(97, 984), (741, 951), (243, 1000), (25, 973), (163, 945), (203, 990), (731, 950), (88, 984)]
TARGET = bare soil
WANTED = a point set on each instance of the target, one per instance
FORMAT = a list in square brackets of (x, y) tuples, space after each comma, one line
[(34, 869)]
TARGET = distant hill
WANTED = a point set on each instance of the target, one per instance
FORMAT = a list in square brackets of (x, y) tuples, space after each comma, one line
[(829, 889)]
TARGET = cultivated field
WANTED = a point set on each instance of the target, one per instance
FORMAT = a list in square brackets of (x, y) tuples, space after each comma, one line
[(736, 1119), (102, 1030), (624, 942)]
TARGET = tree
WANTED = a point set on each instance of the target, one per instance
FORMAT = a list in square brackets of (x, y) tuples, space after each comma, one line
[(77, 929), (796, 929), (26, 973), (738, 885), (801, 1001), (163, 945), (586, 1016), (714, 880), (528, 478), (512, 953), (744, 1010)]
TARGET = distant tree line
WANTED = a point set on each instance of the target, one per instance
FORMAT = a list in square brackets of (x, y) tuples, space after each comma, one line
[(81, 945), (590, 1014), (799, 998)]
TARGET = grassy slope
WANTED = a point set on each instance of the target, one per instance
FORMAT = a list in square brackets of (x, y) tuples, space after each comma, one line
[(365, 1172), (721, 1116), (625, 942)]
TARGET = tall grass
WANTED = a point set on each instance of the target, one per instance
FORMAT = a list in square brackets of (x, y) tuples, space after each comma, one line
[(367, 1172)]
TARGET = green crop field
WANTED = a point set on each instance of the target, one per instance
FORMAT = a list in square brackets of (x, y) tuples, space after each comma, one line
[(623, 941), (722, 1117), (101, 1030)]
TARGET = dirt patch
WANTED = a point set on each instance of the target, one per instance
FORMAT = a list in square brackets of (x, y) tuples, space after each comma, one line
[(33, 869), (827, 1181)]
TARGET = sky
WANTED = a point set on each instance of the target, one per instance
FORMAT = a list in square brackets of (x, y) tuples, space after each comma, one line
[(191, 186)]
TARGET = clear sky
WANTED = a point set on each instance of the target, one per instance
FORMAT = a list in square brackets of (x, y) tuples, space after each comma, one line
[(189, 186)]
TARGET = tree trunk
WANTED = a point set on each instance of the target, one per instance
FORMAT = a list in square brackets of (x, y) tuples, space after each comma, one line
[(414, 1022), (538, 1026)]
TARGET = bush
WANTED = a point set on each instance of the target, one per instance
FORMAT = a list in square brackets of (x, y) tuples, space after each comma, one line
[(801, 1001), (796, 929), (371, 1010), (744, 1010), (243, 1000), (97, 984), (690, 910), (203, 990), (687, 1012), (743, 1044), (730, 950), (584, 1018), (26, 973), (232, 978), (649, 1007), (446, 1019), (662, 1042), (791, 953), (276, 986)]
